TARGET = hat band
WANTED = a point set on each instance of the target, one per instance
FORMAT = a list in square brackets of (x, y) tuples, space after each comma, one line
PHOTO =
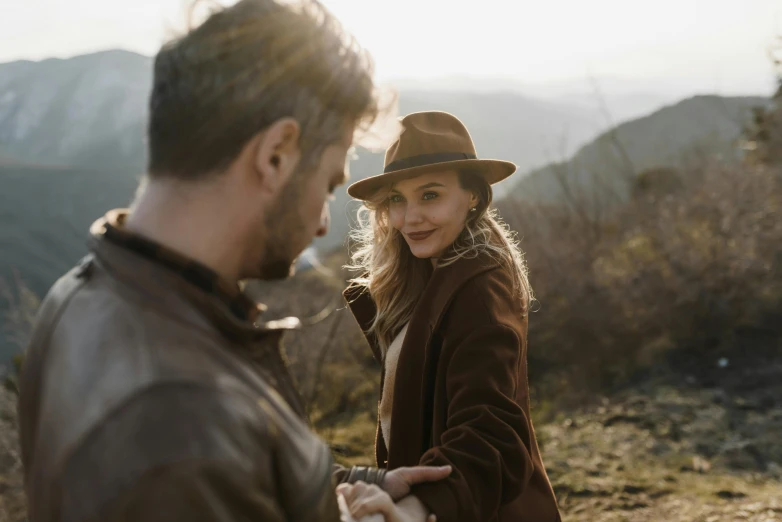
[(426, 159)]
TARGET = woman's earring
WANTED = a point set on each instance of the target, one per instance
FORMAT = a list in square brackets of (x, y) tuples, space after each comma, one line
[(473, 209)]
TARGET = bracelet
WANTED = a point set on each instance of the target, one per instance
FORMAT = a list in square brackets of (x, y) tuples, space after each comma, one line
[(366, 474)]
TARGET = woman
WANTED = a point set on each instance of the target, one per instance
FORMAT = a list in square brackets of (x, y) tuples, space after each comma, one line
[(443, 301)]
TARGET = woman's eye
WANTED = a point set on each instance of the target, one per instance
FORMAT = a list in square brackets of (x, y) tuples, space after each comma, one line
[(429, 195), (395, 199)]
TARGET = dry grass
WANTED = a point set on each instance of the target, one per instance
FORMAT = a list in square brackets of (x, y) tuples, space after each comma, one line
[(623, 461), (13, 504)]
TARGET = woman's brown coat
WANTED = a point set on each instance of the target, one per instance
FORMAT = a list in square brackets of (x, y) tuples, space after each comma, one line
[(461, 397)]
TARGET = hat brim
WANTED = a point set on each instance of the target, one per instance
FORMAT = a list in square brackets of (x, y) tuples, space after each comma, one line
[(493, 171)]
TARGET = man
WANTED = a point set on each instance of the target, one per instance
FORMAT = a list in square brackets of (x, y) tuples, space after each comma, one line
[(153, 387)]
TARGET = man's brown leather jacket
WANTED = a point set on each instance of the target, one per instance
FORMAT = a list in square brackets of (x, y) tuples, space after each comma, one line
[(152, 390)]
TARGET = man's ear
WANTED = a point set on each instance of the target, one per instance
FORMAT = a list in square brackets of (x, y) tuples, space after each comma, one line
[(277, 153)]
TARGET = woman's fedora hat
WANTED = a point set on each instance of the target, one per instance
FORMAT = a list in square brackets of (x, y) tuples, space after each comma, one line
[(430, 141)]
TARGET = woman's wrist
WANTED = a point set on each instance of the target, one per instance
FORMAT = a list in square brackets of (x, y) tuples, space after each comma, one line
[(368, 475)]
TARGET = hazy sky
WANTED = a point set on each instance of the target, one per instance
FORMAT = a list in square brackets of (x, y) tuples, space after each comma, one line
[(715, 45)]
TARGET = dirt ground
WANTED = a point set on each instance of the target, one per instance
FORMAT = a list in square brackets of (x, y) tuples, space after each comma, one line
[(680, 449)]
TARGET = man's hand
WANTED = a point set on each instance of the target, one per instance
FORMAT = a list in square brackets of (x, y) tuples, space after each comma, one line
[(360, 502), (397, 483), (345, 515)]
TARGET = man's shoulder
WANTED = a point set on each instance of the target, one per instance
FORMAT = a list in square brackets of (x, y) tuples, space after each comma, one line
[(95, 352), (61, 292), (87, 314)]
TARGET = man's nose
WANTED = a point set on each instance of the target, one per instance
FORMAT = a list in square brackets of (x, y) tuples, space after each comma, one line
[(325, 220)]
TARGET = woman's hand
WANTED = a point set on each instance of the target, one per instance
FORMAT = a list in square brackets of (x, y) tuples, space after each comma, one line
[(363, 501), (398, 481)]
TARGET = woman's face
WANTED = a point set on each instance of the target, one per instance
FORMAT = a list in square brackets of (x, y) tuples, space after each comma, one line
[(430, 211)]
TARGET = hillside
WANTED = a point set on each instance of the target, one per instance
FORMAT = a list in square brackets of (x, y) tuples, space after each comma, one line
[(87, 111), (698, 129), (625, 99), (44, 217)]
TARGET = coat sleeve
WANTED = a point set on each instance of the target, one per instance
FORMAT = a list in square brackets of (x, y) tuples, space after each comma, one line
[(189, 451), (487, 435), (197, 492)]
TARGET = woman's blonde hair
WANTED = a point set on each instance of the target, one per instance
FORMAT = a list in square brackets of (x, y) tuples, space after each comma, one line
[(396, 278)]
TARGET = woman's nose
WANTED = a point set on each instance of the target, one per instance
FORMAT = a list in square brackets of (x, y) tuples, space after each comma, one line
[(413, 214)]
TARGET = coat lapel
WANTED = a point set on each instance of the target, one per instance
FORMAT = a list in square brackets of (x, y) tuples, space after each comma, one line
[(363, 309), (411, 412)]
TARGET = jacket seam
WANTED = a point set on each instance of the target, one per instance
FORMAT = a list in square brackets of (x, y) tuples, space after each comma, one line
[(45, 342), (322, 488)]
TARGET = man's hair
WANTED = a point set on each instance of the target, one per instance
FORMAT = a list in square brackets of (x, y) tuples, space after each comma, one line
[(246, 67)]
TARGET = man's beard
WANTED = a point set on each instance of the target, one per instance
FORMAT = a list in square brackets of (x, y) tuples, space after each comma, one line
[(283, 229)]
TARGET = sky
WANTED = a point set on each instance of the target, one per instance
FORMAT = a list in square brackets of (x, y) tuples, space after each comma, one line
[(718, 46)]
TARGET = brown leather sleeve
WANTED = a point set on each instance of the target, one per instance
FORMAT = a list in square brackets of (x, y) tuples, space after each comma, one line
[(488, 436), (182, 451), (196, 492)]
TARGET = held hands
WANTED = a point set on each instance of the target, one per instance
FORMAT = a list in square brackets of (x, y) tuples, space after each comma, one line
[(361, 502)]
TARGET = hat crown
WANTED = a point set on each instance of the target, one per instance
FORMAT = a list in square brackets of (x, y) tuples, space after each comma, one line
[(430, 132)]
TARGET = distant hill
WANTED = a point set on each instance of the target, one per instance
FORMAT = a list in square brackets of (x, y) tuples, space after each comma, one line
[(623, 99), (692, 130), (87, 111), (45, 214)]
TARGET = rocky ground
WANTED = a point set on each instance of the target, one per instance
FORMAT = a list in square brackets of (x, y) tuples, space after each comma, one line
[(668, 454), (703, 444), (681, 448)]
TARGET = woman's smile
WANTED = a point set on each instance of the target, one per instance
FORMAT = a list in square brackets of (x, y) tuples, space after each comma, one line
[(420, 236)]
